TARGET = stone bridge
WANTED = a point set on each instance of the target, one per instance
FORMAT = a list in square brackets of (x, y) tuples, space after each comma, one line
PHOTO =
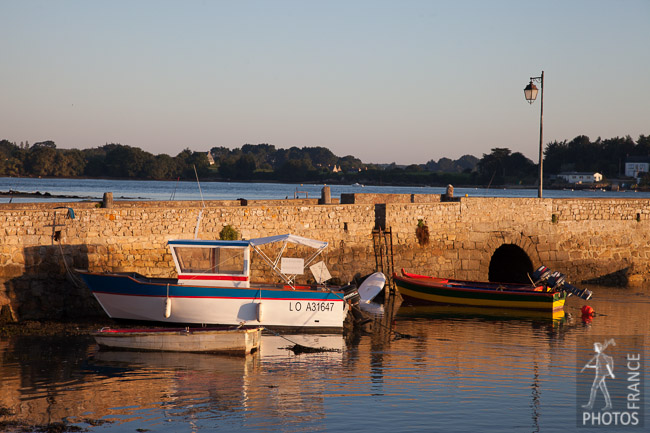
[(497, 239)]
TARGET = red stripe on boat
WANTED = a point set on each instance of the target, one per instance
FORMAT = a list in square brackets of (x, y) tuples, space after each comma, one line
[(211, 278)]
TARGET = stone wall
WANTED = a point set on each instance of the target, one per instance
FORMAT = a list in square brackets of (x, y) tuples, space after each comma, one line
[(40, 244)]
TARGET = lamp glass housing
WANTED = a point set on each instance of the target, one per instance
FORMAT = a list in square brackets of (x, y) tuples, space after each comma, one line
[(530, 92)]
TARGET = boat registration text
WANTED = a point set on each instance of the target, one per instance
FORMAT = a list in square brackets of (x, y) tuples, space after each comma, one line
[(311, 306)]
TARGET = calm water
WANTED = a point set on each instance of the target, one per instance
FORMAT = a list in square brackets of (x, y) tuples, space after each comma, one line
[(166, 190), (466, 371)]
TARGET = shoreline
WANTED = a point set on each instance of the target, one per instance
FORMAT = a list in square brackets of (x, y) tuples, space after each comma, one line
[(50, 328)]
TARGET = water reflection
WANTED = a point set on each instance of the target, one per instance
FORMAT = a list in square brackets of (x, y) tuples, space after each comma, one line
[(145, 381), (461, 371)]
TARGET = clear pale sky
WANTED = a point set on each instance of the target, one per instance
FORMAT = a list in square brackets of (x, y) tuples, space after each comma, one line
[(386, 81)]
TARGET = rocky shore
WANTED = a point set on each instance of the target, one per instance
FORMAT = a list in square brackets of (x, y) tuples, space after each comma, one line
[(54, 328)]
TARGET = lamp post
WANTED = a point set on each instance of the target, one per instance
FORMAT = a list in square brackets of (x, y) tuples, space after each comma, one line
[(530, 93)]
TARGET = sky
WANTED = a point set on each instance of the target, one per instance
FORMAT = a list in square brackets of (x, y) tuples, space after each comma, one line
[(402, 81)]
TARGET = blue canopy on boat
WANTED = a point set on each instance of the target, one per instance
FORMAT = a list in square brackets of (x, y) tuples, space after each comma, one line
[(208, 243)]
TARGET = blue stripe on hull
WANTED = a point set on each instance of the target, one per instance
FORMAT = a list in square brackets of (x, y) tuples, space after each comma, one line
[(125, 285)]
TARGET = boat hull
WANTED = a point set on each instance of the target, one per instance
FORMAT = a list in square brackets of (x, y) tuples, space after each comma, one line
[(421, 291), (124, 297), (228, 341)]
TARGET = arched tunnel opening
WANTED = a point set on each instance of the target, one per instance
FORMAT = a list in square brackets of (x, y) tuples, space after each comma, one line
[(510, 264)]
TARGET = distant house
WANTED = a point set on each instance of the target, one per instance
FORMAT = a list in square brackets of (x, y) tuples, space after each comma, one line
[(210, 158), (336, 169), (635, 165), (581, 177)]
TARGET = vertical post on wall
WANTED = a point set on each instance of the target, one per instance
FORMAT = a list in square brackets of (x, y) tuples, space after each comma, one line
[(541, 138), (530, 93)]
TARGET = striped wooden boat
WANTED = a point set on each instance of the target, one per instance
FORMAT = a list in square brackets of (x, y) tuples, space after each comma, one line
[(422, 290)]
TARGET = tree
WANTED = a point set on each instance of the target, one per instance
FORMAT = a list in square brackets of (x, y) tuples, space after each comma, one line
[(41, 160), (612, 154), (467, 162), (295, 170), (349, 163), (260, 154), (240, 168), (431, 165), (518, 166), (69, 163), (48, 143), (11, 159), (494, 164), (501, 166), (219, 154), (581, 154), (187, 161), (320, 156), (642, 147), (162, 167), (446, 165), (245, 166), (556, 157), (415, 168), (127, 162)]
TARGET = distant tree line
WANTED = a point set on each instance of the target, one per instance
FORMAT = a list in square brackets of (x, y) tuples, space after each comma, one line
[(260, 162), (603, 156), (319, 164), (109, 161), (607, 157), (265, 162)]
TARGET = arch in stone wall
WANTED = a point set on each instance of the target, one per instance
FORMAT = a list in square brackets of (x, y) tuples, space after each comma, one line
[(510, 258)]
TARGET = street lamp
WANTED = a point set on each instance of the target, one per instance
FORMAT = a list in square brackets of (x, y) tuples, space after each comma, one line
[(530, 93)]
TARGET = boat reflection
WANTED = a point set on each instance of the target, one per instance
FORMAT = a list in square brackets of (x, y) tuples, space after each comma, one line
[(149, 388), (145, 380)]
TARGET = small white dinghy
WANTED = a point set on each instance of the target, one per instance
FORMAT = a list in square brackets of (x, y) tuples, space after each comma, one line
[(371, 287), (227, 340)]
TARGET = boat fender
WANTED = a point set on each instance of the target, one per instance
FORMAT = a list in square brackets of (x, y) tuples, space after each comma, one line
[(259, 312), (168, 307)]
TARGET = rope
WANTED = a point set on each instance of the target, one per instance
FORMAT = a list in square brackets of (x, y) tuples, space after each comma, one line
[(173, 196), (75, 280), (199, 184)]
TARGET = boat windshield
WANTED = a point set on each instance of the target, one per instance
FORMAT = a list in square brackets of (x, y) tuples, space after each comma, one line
[(211, 260)]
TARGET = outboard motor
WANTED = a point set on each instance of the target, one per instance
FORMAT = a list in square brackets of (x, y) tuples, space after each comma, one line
[(351, 294), (541, 274), (556, 280), (585, 294)]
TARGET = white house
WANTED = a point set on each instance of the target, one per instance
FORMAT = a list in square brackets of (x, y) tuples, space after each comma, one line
[(581, 177), (634, 166)]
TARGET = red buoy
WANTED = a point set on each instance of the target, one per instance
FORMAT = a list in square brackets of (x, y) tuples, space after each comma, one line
[(587, 311)]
